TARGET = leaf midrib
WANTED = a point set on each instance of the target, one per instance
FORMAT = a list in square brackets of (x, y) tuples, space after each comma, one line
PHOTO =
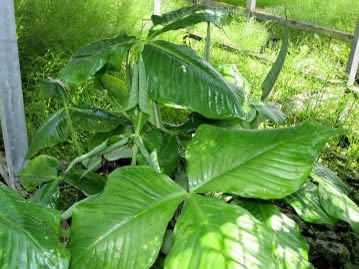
[(117, 226)]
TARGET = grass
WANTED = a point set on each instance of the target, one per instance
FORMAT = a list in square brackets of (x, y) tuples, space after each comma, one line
[(51, 30)]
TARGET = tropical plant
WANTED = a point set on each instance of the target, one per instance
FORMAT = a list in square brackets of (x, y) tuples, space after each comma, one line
[(203, 193)]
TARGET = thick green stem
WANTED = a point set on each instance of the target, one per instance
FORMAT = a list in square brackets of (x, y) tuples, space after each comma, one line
[(137, 134), (208, 42), (68, 213)]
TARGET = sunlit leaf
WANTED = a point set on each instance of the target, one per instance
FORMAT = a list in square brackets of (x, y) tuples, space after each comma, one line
[(265, 164)]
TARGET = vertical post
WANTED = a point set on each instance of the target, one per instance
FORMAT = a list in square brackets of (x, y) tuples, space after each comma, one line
[(157, 7), (353, 62), (11, 100), (208, 43), (251, 5)]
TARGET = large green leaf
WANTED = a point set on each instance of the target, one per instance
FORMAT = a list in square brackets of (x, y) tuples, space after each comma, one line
[(88, 61), (177, 75), (322, 174), (338, 205), (270, 80), (96, 120), (125, 225), (307, 205), (167, 148), (213, 234), (29, 234), (39, 170), (51, 132), (290, 247), (265, 164)]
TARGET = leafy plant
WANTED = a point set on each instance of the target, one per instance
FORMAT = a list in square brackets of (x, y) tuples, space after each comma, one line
[(202, 194)]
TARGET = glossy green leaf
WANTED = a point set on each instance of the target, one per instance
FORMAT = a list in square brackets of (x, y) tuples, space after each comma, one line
[(142, 87), (134, 92), (89, 184), (270, 80), (177, 75), (88, 61), (338, 205), (290, 247), (51, 132), (125, 225), (39, 170), (117, 89), (96, 120), (265, 164), (47, 196), (322, 174), (213, 234), (29, 234), (306, 203), (53, 88), (167, 148)]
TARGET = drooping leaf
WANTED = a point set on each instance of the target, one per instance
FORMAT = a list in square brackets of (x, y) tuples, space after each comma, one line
[(289, 247), (131, 218), (306, 203), (88, 61), (177, 75), (270, 80), (338, 205), (177, 14), (190, 20), (29, 234), (265, 164), (142, 87), (39, 170), (47, 196), (89, 184), (53, 88), (322, 174), (213, 234), (116, 88), (98, 138), (134, 92), (96, 120), (167, 148), (51, 132), (270, 112), (124, 152)]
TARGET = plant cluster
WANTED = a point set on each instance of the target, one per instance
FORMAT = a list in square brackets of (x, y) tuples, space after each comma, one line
[(200, 194)]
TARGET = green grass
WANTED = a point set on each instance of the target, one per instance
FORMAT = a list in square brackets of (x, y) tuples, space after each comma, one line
[(337, 14), (48, 33)]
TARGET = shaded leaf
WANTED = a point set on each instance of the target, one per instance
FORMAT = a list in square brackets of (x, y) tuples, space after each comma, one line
[(132, 215), (29, 234), (53, 88), (322, 174), (213, 234), (266, 164), (47, 196), (177, 75), (39, 170), (306, 203), (270, 112), (51, 132)]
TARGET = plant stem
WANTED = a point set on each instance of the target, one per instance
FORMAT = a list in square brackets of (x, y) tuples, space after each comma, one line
[(137, 134), (71, 126), (68, 213), (208, 42)]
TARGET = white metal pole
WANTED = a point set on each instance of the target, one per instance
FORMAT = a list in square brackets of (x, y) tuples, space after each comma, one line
[(157, 7), (11, 100), (251, 5), (353, 62)]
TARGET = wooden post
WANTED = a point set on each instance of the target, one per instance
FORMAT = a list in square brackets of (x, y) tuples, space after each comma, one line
[(11, 100), (157, 7), (251, 5), (353, 62)]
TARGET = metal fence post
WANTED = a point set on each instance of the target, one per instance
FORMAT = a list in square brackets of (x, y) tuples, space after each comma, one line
[(251, 5), (157, 7), (353, 62), (11, 100)]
